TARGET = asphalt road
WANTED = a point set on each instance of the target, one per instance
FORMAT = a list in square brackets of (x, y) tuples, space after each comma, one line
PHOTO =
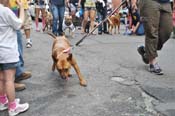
[(117, 79)]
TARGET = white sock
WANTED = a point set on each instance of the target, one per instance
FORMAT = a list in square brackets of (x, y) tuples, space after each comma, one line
[(28, 40)]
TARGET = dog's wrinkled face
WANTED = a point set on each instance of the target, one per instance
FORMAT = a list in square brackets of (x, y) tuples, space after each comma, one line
[(63, 65), (68, 20)]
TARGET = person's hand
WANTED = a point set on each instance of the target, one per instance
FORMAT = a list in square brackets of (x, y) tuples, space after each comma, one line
[(79, 4), (19, 3)]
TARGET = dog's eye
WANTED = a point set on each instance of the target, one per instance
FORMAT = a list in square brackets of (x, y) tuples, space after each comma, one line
[(59, 70), (66, 69)]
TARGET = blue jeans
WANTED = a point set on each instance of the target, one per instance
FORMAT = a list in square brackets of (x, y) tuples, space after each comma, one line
[(100, 17), (58, 14), (20, 67), (102, 27)]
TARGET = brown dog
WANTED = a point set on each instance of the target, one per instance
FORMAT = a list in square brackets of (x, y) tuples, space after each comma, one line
[(49, 21), (63, 60), (114, 22)]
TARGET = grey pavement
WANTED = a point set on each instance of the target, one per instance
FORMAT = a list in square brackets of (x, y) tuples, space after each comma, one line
[(118, 81)]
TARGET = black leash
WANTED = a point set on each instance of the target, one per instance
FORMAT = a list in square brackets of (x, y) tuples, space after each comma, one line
[(112, 12)]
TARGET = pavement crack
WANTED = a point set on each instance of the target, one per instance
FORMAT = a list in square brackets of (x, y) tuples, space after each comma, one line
[(151, 95)]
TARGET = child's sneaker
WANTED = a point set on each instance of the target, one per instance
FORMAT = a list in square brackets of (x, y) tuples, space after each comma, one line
[(155, 69), (141, 51), (29, 44), (37, 30), (5, 106), (19, 109)]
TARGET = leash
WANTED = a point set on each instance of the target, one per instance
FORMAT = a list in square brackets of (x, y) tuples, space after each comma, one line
[(112, 12)]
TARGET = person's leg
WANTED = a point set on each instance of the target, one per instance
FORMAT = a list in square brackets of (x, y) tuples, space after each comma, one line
[(37, 10), (20, 67), (20, 73), (28, 39), (151, 18), (3, 97), (9, 84), (105, 30), (151, 15), (54, 11), (61, 11), (85, 20), (14, 107), (99, 20), (92, 18), (165, 29), (43, 17), (27, 27)]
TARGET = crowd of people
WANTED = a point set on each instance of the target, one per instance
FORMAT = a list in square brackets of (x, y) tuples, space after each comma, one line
[(14, 16)]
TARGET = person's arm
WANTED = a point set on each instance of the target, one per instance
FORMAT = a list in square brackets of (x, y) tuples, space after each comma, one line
[(21, 10), (134, 4), (79, 3), (134, 29), (67, 3)]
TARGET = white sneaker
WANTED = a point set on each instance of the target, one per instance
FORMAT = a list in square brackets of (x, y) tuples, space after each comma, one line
[(19, 109), (5, 106), (29, 44)]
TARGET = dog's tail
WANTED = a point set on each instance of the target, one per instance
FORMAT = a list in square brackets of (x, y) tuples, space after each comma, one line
[(51, 34)]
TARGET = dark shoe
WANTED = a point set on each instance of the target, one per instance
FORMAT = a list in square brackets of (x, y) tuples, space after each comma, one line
[(99, 33), (141, 51), (23, 76), (155, 69), (106, 32), (19, 87)]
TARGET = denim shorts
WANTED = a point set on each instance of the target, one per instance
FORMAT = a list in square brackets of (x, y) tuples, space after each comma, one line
[(7, 66), (89, 8)]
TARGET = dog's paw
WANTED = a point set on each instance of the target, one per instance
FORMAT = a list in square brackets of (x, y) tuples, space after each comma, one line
[(83, 83)]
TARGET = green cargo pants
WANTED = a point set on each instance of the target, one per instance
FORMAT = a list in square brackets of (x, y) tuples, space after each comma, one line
[(157, 20)]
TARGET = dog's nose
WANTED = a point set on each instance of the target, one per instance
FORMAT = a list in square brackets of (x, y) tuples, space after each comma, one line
[(63, 77)]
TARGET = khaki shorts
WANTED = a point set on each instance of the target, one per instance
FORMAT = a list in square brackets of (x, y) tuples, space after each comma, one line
[(27, 20)]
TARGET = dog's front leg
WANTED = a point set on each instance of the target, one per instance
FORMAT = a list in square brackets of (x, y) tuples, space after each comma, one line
[(77, 69), (115, 30), (119, 28)]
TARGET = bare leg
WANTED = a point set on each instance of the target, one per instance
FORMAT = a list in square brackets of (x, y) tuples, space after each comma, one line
[(2, 89), (85, 20), (37, 10), (43, 17), (9, 84), (92, 18)]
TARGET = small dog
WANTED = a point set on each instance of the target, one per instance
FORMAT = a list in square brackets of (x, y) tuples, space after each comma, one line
[(49, 21), (63, 59), (68, 24), (113, 23)]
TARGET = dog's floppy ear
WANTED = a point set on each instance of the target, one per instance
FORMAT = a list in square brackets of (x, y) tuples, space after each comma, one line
[(69, 57)]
